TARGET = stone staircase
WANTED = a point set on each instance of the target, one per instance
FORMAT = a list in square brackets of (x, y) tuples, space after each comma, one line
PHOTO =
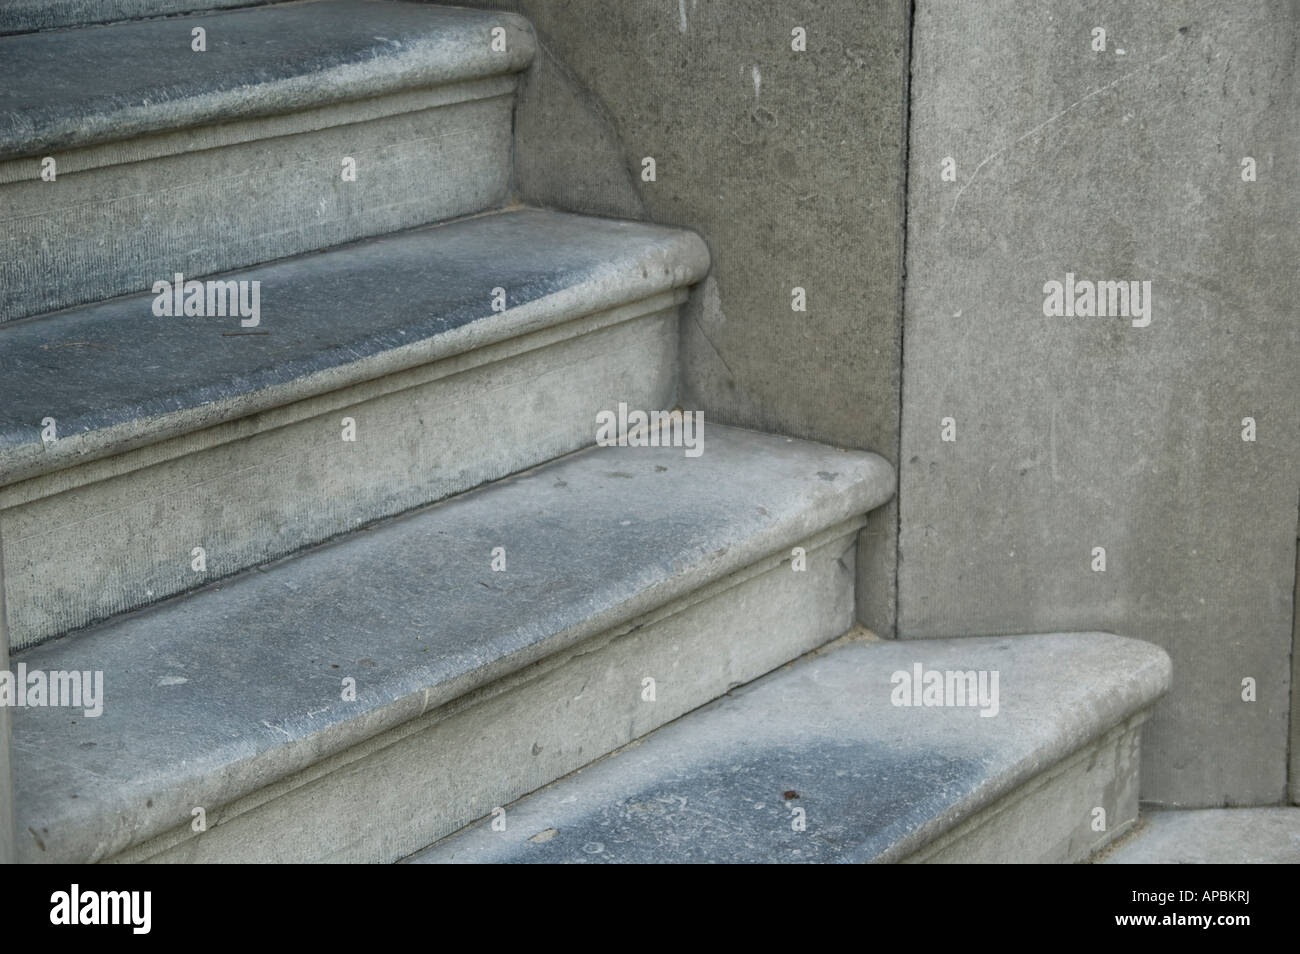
[(297, 421)]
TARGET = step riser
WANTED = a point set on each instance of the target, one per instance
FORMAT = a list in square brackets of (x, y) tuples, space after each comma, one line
[(451, 766), (118, 533), (121, 216), (1049, 820)]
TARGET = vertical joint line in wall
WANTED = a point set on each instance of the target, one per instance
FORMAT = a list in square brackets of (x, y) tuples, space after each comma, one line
[(905, 160)]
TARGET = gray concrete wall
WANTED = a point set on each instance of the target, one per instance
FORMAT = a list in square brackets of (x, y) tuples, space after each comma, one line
[(788, 163), (1075, 433)]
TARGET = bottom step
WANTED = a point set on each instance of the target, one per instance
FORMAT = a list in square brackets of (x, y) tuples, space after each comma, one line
[(1217, 836), (820, 761)]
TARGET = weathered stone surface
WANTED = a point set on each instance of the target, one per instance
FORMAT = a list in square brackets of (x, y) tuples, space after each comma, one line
[(1039, 822), (789, 163), (392, 795), (239, 442), (1075, 433), (874, 781), (215, 695), (123, 216), (170, 161), (99, 84), (24, 16), (115, 375), (1220, 836)]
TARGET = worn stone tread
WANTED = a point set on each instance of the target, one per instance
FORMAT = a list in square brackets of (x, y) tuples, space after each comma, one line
[(876, 781), (72, 88), (217, 693), (114, 376)]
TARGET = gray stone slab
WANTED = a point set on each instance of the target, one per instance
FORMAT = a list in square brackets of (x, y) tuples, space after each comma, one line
[(115, 534), (1075, 433), (65, 89), (219, 693), (875, 781), (172, 161), (201, 200), (115, 376), (392, 795), (26, 16), (1222, 836)]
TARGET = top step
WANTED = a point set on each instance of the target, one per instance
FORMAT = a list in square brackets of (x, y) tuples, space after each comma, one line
[(127, 155), (28, 16), (98, 84)]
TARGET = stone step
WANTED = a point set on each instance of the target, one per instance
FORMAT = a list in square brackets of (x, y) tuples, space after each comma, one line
[(28, 16), (176, 433), (170, 160), (639, 583), (817, 763), (1214, 836)]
